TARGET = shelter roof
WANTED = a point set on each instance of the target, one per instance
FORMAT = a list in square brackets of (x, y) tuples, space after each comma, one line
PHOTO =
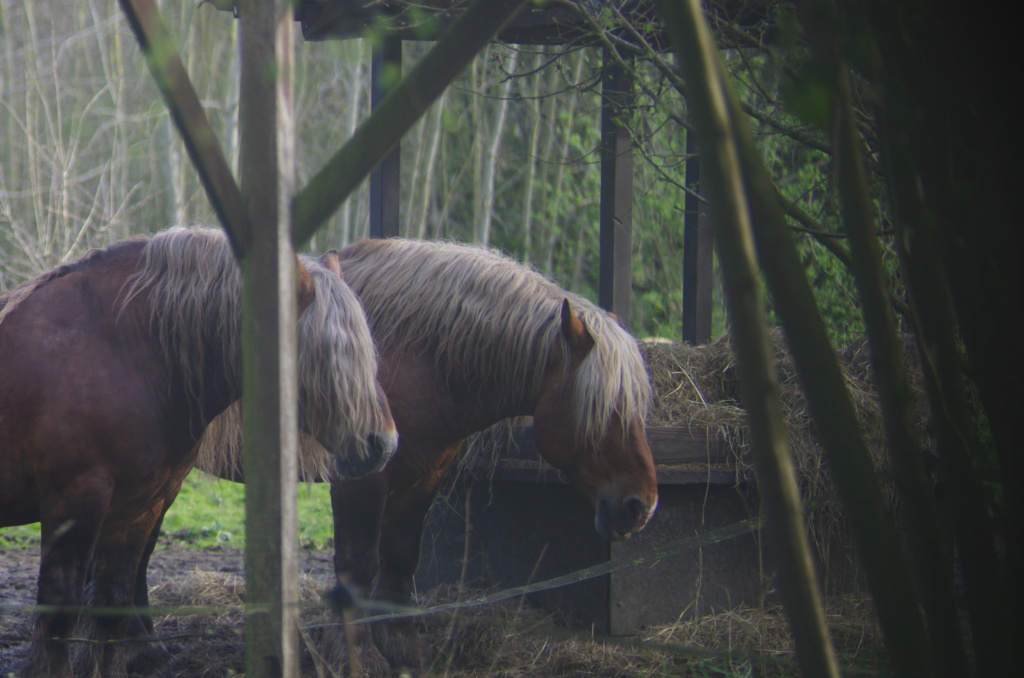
[(537, 23)]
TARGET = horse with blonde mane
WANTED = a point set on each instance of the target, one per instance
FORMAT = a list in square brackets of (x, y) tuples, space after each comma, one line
[(110, 369), (468, 337)]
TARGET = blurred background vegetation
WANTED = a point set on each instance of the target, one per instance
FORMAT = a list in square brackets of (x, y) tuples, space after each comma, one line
[(508, 155)]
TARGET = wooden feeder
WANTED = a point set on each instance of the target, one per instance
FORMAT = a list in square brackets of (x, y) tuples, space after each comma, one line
[(521, 523)]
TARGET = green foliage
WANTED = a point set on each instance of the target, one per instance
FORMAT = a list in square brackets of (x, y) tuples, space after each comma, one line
[(793, 98), (811, 95), (127, 172)]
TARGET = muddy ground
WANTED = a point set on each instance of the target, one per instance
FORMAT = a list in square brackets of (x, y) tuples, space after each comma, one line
[(504, 640), (200, 645), (510, 639)]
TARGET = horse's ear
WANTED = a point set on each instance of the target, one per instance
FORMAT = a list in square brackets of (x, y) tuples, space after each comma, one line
[(304, 286), (618, 321), (330, 260), (575, 332)]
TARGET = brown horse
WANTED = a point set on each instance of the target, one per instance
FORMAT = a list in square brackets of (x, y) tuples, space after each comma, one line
[(468, 337), (110, 369)]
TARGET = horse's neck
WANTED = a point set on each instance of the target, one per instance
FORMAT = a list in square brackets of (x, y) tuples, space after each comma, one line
[(481, 409), (440, 403)]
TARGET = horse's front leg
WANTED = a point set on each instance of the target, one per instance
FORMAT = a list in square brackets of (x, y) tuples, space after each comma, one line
[(69, 530), (141, 578), (401, 537), (358, 506), (117, 563)]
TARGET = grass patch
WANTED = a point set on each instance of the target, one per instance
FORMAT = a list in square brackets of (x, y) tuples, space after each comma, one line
[(210, 512), (19, 536)]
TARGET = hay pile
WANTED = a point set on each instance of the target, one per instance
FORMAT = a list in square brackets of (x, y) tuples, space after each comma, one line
[(698, 386), (511, 639), (205, 623), (758, 641)]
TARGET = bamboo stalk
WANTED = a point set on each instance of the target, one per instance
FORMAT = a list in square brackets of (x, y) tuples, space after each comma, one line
[(423, 211), (560, 164), (934, 572), (491, 157), (529, 183), (957, 446), (832, 410), (734, 240)]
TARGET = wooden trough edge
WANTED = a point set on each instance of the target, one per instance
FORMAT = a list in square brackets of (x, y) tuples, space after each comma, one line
[(682, 455)]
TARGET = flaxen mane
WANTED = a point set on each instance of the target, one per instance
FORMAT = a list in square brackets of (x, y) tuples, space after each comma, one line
[(193, 288), (338, 361), (492, 322), (336, 355)]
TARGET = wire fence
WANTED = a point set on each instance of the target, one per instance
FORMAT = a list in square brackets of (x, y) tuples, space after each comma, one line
[(381, 611)]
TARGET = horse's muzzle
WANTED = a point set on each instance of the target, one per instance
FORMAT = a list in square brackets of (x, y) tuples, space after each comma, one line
[(615, 521), (368, 457)]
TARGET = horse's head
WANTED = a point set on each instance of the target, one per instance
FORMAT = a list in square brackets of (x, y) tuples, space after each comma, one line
[(606, 456), (371, 453), (342, 404)]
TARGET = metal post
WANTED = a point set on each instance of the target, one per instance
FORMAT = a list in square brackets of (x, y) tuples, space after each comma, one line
[(615, 287), (698, 253), (268, 339), (385, 180)]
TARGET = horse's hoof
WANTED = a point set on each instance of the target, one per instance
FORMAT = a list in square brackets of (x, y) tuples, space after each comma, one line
[(399, 642), (31, 671), (46, 660), (149, 659), (371, 664)]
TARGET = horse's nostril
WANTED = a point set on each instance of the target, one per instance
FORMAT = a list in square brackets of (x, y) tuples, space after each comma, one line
[(635, 507), (366, 458), (355, 467), (382, 445)]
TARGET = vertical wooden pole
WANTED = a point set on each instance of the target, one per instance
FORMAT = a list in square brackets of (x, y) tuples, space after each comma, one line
[(385, 180), (268, 339), (615, 287), (698, 253)]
